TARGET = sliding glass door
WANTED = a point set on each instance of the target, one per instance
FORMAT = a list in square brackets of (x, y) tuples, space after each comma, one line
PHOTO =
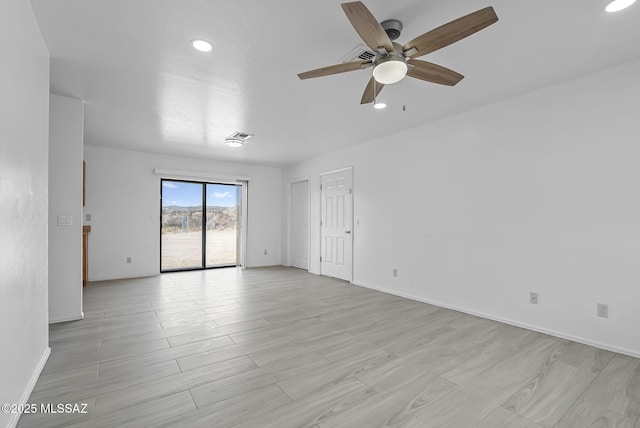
[(201, 225), (181, 236), (223, 225)]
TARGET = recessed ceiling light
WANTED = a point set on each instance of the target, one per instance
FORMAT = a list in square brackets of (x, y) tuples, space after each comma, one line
[(617, 5), (379, 105), (201, 45)]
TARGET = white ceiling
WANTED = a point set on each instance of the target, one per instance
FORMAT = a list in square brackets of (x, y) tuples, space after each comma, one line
[(146, 89)]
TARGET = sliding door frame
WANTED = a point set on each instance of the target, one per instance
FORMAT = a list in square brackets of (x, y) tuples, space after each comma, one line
[(241, 239)]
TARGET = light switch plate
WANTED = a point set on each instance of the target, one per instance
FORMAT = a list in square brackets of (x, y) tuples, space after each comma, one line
[(65, 220)]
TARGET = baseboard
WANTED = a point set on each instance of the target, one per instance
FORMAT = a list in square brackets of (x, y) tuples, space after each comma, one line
[(13, 422), (250, 266), (538, 329), (98, 278), (66, 319)]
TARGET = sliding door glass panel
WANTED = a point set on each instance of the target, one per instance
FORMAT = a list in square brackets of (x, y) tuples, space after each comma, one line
[(181, 230), (223, 224)]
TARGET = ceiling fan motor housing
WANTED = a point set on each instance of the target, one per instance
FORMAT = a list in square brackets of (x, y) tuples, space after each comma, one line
[(392, 27), (396, 55)]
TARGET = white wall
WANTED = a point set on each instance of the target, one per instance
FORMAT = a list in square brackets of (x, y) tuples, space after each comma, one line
[(24, 130), (65, 199), (539, 192), (123, 198)]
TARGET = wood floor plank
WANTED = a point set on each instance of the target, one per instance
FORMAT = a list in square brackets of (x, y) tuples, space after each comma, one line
[(533, 356), (57, 381), (56, 336), (181, 324), (265, 331), (618, 387), (501, 418), (436, 358), (127, 329), (77, 388), (411, 422), (468, 337), (203, 357), (457, 409), (471, 402), (539, 400), (495, 382), (232, 411), (354, 349), (274, 353), (400, 371), (208, 352), (312, 381), (228, 387), (383, 409), (116, 401), (585, 414), (415, 338), (476, 360), (191, 334), (313, 410), (145, 414)]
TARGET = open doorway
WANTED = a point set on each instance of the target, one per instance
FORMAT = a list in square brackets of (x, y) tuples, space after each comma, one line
[(300, 224), (201, 225)]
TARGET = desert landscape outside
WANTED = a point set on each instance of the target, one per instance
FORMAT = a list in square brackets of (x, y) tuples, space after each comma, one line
[(184, 250)]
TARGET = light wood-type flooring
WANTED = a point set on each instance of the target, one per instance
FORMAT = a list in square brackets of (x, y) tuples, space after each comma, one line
[(278, 347)]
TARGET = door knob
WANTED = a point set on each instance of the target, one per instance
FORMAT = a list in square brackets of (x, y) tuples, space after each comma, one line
[(347, 231)]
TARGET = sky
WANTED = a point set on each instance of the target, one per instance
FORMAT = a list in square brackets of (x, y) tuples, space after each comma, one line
[(184, 194)]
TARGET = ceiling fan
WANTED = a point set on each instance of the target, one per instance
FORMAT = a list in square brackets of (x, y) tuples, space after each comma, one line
[(392, 62)]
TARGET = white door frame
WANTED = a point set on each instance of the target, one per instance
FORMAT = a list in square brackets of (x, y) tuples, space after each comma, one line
[(291, 183), (322, 174), (244, 185)]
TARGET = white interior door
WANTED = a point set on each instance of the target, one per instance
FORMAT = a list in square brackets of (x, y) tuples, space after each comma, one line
[(336, 227), (300, 225)]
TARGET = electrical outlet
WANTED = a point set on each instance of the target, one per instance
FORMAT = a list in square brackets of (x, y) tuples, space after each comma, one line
[(395, 272), (87, 217), (603, 310), (128, 259), (534, 298)]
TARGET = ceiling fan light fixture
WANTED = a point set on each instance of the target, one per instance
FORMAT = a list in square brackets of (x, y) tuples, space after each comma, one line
[(234, 143), (617, 5), (201, 45), (389, 70), (379, 105)]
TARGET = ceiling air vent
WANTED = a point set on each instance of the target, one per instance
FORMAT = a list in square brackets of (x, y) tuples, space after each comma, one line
[(240, 135), (359, 53)]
